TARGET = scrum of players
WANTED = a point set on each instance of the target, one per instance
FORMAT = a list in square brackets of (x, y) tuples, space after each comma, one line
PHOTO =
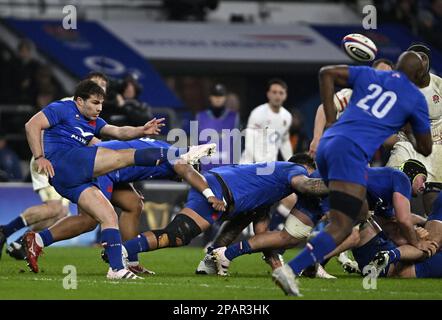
[(367, 210)]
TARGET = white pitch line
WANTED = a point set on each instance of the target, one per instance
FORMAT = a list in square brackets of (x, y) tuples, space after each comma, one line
[(144, 283)]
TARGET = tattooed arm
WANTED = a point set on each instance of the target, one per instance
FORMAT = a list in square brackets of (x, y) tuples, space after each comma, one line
[(309, 186)]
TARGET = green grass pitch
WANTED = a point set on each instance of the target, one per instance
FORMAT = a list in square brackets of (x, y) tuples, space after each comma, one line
[(175, 280)]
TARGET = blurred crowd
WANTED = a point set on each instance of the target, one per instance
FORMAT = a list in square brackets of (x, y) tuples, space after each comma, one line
[(25, 80), (423, 17)]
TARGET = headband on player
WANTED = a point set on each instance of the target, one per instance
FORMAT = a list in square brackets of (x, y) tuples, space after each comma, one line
[(424, 49), (412, 168)]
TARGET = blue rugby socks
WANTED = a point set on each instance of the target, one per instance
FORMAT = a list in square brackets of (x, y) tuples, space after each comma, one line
[(13, 226), (237, 249), (150, 157), (314, 252), (111, 241), (135, 246), (46, 237)]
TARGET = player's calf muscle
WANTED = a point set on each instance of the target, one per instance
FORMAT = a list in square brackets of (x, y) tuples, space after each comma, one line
[(95, 204)]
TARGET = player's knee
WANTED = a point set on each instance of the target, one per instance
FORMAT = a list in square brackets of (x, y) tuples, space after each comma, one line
[(179, 232), (108, 220), (296, 228), (135, 208), (354, 238), (64, 212), (56, 208), (345, 203)]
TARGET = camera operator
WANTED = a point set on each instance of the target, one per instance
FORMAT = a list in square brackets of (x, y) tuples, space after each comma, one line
[(122, 106)]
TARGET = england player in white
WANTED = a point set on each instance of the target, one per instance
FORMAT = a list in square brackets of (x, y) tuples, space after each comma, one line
[(267, 131), (431, 88), (267, 134)]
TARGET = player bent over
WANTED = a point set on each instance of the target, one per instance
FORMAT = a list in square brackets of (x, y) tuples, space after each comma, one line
[(244, 189), (431, 87), (388, 191), (72, 166)]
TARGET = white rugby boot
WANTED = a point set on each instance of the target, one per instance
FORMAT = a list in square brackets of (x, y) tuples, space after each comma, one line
[(322, 274), (207, 265), (123, 274), (285, 278), (379, 262), (348, 264), (221, 262), (197, 152)]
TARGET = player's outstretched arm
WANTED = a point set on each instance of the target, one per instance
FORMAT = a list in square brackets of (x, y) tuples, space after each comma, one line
[(153, 127), (309, 186), (197, 181), (330, 76), (34, 128)]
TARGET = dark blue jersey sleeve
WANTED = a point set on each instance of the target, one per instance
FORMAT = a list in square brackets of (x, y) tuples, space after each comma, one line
[(55, 112), (419, 119), (401, 184)]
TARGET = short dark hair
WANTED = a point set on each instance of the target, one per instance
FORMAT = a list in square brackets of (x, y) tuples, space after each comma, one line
[(384, 61), (303, 158), (278, 81), (86, 88), (96, 74)]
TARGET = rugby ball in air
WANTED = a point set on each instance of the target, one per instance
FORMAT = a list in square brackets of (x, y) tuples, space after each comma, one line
[(359, 47)]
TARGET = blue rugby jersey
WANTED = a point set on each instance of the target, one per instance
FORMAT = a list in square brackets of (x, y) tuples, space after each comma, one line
[(68, 128), (381, 104)]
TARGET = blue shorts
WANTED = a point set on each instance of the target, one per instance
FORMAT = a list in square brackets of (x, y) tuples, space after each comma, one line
[(363, 255), (311, 207), (339, 158), (198, 203), (430, 268), (106, 185), (74, 171)]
